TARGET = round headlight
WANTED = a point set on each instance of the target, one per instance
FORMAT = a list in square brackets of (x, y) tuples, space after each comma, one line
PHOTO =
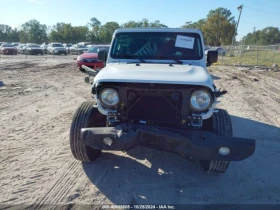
[(200, 100), (109, 97)]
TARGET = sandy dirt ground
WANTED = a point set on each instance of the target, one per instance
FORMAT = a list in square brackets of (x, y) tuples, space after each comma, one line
[(38, 98)]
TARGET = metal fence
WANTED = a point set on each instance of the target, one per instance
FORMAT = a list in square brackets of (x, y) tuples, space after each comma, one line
[(250, 55)]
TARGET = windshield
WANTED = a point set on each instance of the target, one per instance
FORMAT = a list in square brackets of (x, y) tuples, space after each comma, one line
[(68, 45), (157, 45), (82, 46), (8, 45), (94, 49), (33, 45), (57, 45)]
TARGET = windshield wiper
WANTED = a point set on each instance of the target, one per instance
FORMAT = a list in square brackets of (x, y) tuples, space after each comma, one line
[(170, 58), (135, 57)]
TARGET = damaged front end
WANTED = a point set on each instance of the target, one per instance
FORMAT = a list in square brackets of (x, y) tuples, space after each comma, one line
[(161, 116), (200, 145), (155, 104)]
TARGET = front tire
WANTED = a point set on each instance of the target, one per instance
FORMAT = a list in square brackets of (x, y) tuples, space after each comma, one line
[(219, 124), (85, 116)]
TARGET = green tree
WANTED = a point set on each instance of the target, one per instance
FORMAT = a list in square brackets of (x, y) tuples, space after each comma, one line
[(106, 31), (33, 31), (157, 24), (219, 27), (198, 25), (61, 32), (93, 35), (7, 34), (131, 24), (144, 23), (13, 36), (270, 35), (94, 22), (267, 36), (66, 33), (80, 33)]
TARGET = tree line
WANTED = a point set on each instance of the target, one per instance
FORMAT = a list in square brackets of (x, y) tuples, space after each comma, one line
[(266, 36), (94, 32), (218, 28)]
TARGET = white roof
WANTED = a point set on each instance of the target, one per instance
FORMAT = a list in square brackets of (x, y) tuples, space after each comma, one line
[(186, 30)]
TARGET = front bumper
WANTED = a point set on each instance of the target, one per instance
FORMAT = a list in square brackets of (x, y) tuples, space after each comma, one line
[(36, 52), (59, 52), (93, 65), (200, 145), (9, 52), (82, 51)]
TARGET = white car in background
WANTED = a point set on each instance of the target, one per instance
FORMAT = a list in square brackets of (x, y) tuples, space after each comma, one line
[(221, 51), (56, 49)]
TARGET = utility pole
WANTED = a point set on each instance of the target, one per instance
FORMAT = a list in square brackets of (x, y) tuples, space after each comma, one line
[(254, 29), (235, 31)]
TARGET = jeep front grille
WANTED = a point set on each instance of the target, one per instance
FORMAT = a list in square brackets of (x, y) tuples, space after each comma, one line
[(154, 108)]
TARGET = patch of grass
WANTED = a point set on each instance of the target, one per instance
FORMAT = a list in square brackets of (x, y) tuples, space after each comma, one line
[(261, 57)]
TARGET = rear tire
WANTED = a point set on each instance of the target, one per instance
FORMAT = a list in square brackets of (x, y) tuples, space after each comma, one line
[(85, 116), (219, 124)]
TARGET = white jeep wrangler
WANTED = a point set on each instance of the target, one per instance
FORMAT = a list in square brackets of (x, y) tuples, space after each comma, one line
[(155, 91)]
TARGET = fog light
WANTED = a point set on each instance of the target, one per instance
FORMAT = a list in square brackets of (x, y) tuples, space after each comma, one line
[(224, 151), (107, 141)]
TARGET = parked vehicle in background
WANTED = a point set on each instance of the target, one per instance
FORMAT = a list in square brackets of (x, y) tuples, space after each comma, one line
[(56, 49), (90, 45), (90, 59), (83, 43), (8, 49), (207, 47), (67, 46), (77, 49), (21, 48), (15, 44), (33, 49), (221, 51), (44, 46)]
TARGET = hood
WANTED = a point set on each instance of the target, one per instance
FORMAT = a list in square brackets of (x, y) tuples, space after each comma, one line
[(155, 73), (89, 55)]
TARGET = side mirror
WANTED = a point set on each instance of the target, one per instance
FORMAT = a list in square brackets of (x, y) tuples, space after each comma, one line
[(212, 57), (102, 56)]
